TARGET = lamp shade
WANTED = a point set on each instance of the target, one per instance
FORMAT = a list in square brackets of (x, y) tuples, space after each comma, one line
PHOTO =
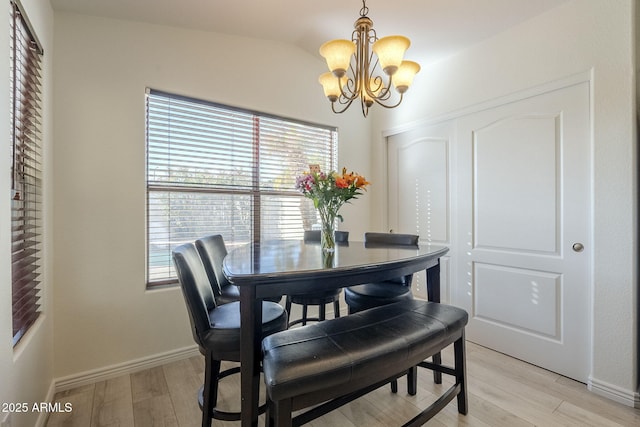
[(403, 78), (390, 51), (331, 86), (338, 53)]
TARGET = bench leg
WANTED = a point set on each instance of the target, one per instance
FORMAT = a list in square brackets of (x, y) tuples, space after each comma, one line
[(457, 390), (281, 413), (268, 416), (412, 381), (460, 365)]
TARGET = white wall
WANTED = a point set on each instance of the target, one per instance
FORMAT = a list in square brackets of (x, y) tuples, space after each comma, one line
[(576, 37), (26, 371), (104, 315)]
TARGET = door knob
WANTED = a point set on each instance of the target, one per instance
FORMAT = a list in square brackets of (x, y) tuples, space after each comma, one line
[(578, 247)]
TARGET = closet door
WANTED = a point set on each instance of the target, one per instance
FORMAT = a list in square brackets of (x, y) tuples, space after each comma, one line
[(419, 193), (525, 229), (508, 189)]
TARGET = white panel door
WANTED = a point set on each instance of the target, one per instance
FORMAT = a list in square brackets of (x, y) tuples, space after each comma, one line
[(524, 223), (507, 188), (419, 193)]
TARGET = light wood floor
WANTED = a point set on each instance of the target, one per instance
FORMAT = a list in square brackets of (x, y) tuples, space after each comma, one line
[(502, 392)]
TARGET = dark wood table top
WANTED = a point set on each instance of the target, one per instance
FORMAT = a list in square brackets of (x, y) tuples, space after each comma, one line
[(297, 267)]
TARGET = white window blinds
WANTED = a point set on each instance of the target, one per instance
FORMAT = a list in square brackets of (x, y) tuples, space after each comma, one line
[(213, 169)]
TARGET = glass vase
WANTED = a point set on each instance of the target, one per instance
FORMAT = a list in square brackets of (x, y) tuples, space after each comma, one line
[(327, 239)]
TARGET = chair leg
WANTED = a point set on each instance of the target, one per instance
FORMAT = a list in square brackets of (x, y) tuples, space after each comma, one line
[(437, 360), (210, 392), (304, 314), (336, 308), (287, 307), (322, 312), (460, 366)]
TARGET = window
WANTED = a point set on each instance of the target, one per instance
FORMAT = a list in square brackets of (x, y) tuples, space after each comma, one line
[(26, 172), (213, 169)]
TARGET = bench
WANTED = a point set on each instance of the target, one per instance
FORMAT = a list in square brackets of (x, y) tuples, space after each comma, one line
[(331, 363)]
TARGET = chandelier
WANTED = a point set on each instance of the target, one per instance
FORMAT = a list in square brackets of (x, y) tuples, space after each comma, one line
[(354, 72)]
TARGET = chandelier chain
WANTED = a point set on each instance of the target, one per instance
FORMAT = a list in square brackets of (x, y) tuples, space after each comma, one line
[(365, 10)]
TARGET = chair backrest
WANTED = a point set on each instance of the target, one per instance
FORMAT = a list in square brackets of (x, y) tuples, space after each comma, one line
[(196, 288), (314, 236), (212, 250), (341, 236), (372, 239), (391, 239), (311, 235)]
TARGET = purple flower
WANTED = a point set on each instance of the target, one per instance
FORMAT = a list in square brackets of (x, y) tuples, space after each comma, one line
[(305, 183)]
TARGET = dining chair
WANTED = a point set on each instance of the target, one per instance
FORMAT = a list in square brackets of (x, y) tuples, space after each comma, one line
[(369, 295), (216, 328), (212, 250), (320, 299)]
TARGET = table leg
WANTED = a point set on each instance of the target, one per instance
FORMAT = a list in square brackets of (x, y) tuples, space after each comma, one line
[(433, 283), (433, 294), (251, 336)]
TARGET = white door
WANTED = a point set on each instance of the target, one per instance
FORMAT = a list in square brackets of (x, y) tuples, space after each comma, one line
[(419, 193), (521, 224), (524, 172)]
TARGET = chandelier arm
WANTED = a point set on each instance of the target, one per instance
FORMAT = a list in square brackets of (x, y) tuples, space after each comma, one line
[(356, 37), (365, 109), (367, 71), (389, 106), (352, 83), (350, 94), (346, 105), (342, 100), (384, 91)]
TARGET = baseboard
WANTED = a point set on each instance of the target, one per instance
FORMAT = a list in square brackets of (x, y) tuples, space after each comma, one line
[(44, 415), (108, 372), (615, 393)]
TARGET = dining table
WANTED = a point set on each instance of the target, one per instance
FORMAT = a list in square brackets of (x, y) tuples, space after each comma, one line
[(279, 267)]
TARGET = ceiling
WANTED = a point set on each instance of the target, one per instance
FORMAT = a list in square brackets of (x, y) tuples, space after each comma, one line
[(437, 28)]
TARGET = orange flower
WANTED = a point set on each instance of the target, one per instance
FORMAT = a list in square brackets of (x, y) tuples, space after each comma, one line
[(349, 178), (361, 181), (341, 182)]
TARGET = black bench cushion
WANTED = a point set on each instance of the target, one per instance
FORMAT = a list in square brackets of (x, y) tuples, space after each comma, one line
[(338, 356)]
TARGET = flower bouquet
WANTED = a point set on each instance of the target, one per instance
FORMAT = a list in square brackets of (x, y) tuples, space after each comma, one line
[(329, 191)]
